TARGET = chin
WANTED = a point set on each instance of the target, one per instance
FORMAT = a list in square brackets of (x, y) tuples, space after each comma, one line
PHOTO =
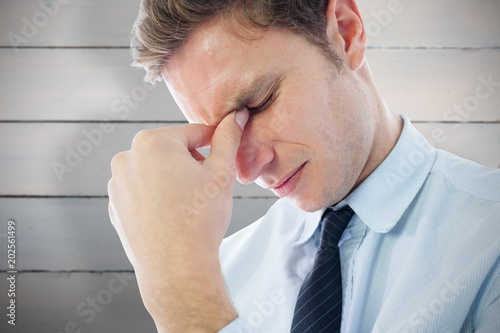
[(315, 201), (307, 204)]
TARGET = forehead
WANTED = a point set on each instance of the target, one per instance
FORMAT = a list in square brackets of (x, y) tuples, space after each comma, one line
[(216, 64)]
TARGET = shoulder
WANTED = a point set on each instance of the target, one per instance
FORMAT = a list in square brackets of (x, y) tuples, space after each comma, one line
[(460, 204), (462, 175)]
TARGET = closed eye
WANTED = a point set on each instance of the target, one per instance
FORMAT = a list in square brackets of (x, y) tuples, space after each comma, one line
[(261, 107)]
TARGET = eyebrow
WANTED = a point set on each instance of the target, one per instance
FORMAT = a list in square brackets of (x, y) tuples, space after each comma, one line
[(244, 97)]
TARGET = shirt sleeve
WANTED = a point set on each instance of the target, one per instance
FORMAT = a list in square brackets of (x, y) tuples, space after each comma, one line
[(239, 325)]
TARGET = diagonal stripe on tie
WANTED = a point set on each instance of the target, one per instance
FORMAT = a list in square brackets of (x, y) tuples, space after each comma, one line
[(319, 304)]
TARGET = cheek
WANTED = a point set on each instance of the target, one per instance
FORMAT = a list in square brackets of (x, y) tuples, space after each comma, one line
[(269, 125), (290, 114)]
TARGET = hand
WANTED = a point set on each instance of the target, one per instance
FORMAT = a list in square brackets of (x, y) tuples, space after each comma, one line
[(171, 208)]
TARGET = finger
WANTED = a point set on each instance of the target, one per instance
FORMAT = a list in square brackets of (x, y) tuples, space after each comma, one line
[(227, 137), (190, 136), (194, 136)]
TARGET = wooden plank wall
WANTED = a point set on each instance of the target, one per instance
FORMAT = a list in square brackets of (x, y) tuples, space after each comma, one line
[(66, 87)]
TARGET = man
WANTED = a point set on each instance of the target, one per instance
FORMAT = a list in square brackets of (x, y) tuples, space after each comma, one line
[(282, 93)]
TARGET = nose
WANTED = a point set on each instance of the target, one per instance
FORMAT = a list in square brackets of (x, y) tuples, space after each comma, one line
[(254, 154)]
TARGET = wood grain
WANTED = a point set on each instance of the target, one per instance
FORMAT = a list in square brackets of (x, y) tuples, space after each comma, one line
[(87, 23), (92, 84), (60, 159), (429, 60), (54, 302), (436, 24), (49, 159), (75, 234), (79, 84), (444, 23)]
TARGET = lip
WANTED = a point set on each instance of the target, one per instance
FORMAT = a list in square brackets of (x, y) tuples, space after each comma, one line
[(289, 183)]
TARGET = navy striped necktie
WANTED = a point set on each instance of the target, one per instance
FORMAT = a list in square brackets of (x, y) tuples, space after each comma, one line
[(319, 304)]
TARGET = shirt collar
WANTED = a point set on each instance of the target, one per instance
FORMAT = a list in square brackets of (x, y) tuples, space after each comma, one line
[(386, 193), (384, 196)]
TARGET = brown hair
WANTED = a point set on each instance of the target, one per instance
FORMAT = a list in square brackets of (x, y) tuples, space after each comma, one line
[(163, 26)]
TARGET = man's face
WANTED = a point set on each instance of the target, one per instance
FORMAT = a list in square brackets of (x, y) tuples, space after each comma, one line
[(310, 130)]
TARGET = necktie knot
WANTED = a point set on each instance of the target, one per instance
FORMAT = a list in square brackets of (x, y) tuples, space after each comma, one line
[(334, 224)]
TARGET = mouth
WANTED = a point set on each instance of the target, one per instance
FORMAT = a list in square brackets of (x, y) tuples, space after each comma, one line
[(287, 185)]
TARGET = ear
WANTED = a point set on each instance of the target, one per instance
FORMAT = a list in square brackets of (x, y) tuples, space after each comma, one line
[(345, 28)]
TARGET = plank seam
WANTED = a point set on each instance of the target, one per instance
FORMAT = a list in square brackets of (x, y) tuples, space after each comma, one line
[(95, 121), (81, 47), (64, 47), (460, 48), (181, 122), (35, 196), (71, 271), (456, 122)]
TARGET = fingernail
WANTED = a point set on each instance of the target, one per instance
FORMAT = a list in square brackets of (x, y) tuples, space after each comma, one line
[(241, 118)]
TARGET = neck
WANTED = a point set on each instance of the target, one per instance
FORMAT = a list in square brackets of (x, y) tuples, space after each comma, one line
[(388, 126)]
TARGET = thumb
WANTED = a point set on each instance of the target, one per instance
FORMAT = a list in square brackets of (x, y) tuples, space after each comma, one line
[(227, 137)]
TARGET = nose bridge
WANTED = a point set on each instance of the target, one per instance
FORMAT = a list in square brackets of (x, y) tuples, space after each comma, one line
[(254, 153)]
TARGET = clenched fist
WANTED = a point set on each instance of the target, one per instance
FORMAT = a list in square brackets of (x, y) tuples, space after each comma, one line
[(171, 207)]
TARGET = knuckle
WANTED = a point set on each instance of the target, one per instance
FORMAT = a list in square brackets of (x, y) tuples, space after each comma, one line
[(110, 210), (145, 139), (112, 215), (109, 188), (118, 160)]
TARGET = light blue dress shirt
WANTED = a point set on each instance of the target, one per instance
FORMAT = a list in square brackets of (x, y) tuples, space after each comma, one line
[(421, 254)]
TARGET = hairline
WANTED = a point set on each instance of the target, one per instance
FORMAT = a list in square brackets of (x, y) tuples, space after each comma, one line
[(235, 15)]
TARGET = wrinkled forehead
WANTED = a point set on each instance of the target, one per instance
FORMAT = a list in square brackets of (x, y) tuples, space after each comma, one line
[(213, 65)]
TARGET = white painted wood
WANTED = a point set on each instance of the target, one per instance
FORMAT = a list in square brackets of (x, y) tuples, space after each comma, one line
[(443, 23), (81, 84), (477, 142), (458, 23), (67, 22), (47, 302), (28, 150), (76, 234), (32, 151), (100, 84), (415, 74), (440, 85)]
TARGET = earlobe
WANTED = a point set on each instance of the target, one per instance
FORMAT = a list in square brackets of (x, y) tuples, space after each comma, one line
[(346, 31)]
